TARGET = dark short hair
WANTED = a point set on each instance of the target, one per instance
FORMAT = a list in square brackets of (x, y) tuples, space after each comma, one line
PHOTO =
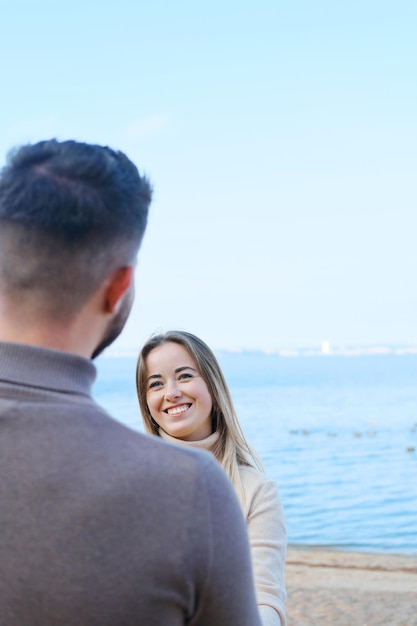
[(69, 212)]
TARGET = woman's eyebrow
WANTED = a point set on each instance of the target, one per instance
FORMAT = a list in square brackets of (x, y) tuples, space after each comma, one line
[(153, 376), (184, 367)]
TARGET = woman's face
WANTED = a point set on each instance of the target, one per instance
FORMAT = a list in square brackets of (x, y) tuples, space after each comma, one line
[(178, 398)]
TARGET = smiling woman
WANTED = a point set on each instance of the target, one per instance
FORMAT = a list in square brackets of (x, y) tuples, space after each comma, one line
[(177, 396), (184, 399)]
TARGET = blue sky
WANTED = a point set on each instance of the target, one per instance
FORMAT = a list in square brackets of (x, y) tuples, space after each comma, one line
[(280, 137)]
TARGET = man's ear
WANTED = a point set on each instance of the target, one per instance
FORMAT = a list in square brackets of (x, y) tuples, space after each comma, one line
[(119, 283)]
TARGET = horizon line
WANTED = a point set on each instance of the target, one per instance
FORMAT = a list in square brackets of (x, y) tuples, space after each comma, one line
[(326, 349)]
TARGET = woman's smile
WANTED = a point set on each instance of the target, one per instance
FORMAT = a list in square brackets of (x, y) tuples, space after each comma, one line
[(178, 410)]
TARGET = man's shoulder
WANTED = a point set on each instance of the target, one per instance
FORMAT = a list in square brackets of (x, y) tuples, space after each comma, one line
[(142, 449), (174, 475), (177, 455)]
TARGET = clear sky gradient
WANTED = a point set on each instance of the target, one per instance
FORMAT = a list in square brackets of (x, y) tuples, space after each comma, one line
[(281, 139)]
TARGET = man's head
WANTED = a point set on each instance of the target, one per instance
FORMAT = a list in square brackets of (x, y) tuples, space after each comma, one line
[(71, 214)]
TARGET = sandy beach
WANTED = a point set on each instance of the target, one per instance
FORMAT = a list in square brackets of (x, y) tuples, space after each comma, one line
[(339, 588)]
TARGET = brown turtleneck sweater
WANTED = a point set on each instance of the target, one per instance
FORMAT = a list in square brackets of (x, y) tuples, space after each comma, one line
[(101, 526)]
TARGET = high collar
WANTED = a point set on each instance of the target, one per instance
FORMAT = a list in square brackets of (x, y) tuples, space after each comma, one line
[(203, 444), (44, 368)]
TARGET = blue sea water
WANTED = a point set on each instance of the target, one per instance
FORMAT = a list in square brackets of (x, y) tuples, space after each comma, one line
[(337, 433)]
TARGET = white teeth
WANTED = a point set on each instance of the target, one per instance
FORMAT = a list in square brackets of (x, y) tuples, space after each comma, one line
[(177, 409)]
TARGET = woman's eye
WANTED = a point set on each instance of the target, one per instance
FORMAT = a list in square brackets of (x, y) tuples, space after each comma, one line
[(184, 375), (154, 384)]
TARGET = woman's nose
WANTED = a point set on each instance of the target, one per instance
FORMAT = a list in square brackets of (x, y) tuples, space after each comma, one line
[(172, 392)]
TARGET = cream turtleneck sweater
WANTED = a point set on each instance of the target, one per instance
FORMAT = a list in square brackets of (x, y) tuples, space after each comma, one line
[(267, 534)]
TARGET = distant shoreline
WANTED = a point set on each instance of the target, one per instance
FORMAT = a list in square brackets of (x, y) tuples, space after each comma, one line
[(336, 553), (289, 352)]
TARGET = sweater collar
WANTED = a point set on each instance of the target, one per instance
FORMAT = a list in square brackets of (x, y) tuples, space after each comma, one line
[(44, 368), (203, 444)]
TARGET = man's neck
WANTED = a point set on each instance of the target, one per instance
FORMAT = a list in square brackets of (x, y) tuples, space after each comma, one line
[(50, 334), (42, 341)]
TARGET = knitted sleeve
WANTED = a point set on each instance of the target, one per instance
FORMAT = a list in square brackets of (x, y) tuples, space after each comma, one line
[(268, 544)]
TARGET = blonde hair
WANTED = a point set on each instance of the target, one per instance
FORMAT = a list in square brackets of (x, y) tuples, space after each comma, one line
[(231, 449)]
